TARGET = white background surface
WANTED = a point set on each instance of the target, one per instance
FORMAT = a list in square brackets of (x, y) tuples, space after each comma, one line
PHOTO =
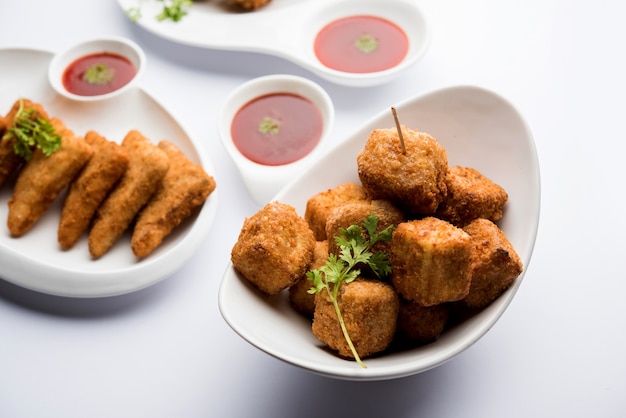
[(165, 351)]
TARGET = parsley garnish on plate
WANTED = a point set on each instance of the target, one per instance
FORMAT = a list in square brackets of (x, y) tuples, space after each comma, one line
[(174, 10), (32, 133), (354, 249)]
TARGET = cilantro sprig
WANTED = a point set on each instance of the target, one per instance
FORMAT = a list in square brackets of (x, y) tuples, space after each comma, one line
[(32, 132), (355, 249), (174, 10)]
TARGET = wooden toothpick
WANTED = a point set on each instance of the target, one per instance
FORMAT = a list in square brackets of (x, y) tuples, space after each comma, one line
[(399, 129)]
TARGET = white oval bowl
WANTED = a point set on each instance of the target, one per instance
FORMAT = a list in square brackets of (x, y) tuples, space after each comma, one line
[(115, 45), (264, 181), (478, 129), (405, 14)]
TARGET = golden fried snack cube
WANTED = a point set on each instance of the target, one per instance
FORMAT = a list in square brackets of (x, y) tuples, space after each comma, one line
[(370, 312), (89, 189), (9, 160), (299, 297), (355, 212), (494, 264), (44, 177), (430, 261), (419, 324), (470, 196), (414, 180), (320, 206), (274, 249), (184, 188)]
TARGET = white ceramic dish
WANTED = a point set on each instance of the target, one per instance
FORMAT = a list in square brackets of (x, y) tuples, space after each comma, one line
[(263, 181), (286, 28), (478, 129), (115, 45), (35, 260)]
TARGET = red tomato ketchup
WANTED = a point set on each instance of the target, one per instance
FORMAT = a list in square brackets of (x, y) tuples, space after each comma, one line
[(98, 73), (361, 44), (277, 129)]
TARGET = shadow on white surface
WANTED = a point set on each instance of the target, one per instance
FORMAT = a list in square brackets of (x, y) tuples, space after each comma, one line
[(83, 308)]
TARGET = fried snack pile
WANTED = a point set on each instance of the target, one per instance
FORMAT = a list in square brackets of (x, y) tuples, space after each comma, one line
[(111, 188), (448, 257)]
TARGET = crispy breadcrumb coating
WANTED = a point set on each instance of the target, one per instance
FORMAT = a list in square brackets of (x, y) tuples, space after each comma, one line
[(430, 260), (370, 312), (355, 212), (89, 189), (146, 168), (419, 324), (415, 181), (185, 187), (470, 196), (494, 264), (274, 248), (44, 177), (299, 297), (321, 206)]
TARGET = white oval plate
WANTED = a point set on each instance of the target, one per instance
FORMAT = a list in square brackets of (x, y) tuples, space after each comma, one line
[(287, 29), (478, 129), (35, 260)]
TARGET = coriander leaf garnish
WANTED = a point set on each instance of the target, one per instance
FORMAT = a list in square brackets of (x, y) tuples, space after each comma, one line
[(269, 126), (366, 43), (31, 133), (174, 10), (354, 249), (99, 74)]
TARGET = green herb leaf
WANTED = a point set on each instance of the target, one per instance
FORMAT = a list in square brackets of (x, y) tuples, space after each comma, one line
[(366, 43), (269, 126), (99, 74), (31, 133), (174, 10), (354, 249)]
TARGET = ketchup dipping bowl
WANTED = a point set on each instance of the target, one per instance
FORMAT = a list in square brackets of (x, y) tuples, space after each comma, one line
[(273, 127), (97, 69)]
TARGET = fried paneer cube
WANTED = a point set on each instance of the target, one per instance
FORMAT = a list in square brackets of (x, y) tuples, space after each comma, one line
[(184, 188), (274, 248), (320, 206), (415, 181), (355, 212), (370, 312), (430, 261), (494, 263), (299, 297), (419, 324), (147, 165), (470, 196), (44, 177), (89, 189), (10, 162), (249, 4)]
